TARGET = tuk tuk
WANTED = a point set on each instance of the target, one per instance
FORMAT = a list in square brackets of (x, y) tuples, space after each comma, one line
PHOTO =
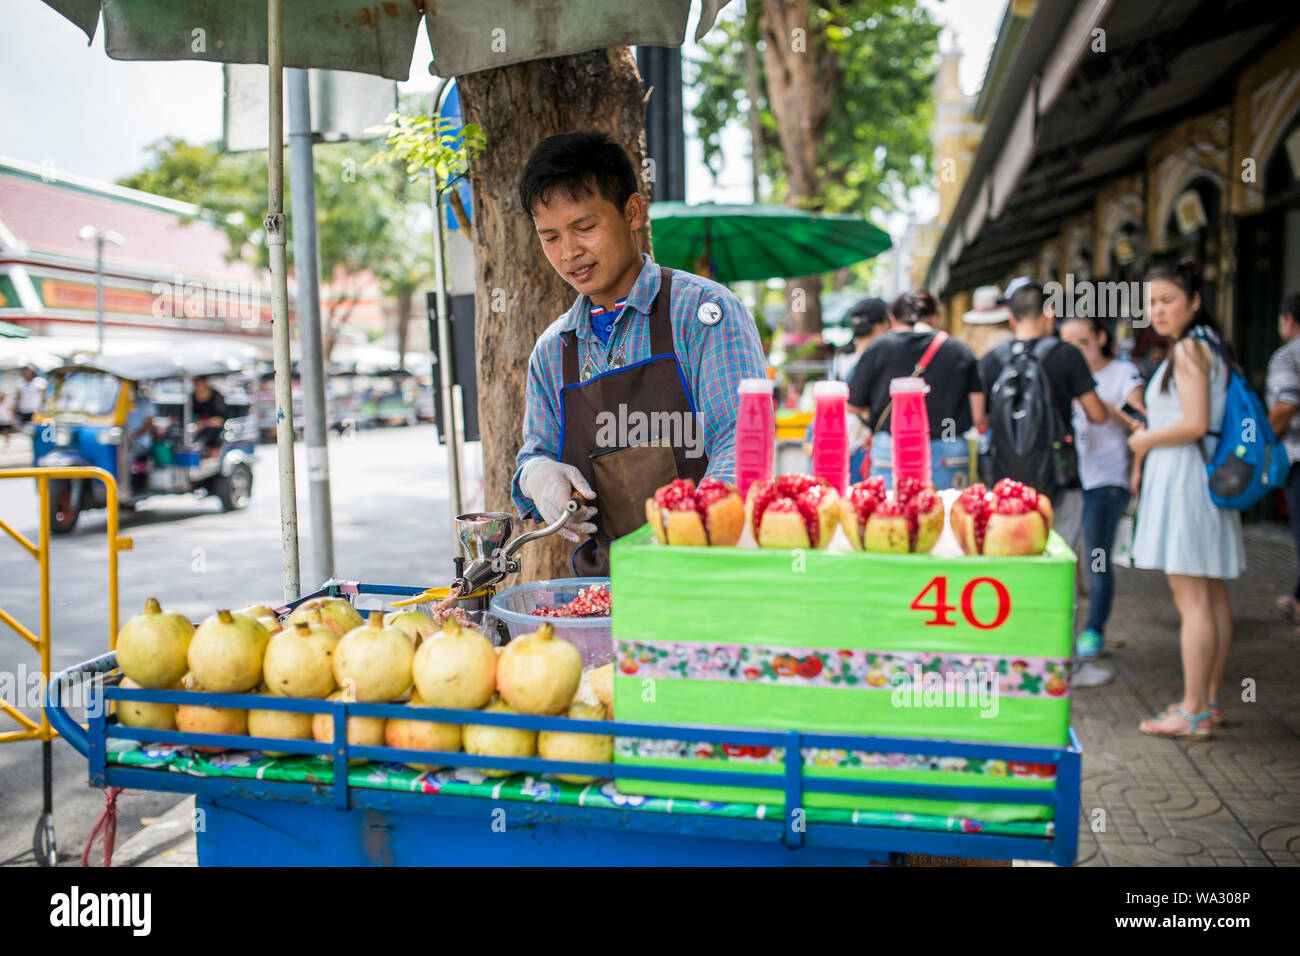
[(84, 421), (342, 404), (390, 399)]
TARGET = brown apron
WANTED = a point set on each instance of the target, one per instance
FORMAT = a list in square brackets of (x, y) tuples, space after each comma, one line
[(625, 472)]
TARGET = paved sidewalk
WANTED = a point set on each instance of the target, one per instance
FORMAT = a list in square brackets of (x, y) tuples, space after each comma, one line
[(166, 841), (1234, 801), (1231, 801)]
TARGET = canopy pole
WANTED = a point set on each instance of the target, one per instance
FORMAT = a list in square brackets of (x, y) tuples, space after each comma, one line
[(274, 225), (310, 340), (450, 436)]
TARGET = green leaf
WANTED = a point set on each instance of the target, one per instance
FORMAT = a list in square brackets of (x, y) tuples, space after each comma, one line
[(874, 138)]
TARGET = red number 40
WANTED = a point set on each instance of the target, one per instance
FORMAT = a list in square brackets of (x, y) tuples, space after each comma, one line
[(942, 609)]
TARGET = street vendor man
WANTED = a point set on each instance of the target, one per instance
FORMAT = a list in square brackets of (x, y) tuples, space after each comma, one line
[(636, 385)]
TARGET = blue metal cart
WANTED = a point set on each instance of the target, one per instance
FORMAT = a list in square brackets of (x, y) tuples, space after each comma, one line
[(336, 822)]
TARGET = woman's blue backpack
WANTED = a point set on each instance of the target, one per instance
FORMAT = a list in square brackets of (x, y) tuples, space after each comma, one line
[(1248, 461)]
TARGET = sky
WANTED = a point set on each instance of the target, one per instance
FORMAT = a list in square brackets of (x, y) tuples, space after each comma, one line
[(68, 107)]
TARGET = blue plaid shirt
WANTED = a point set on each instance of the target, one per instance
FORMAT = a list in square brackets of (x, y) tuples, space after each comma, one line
[(714, 358)]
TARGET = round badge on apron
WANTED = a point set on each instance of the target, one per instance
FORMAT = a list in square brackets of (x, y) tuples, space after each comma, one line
[(709, 313)]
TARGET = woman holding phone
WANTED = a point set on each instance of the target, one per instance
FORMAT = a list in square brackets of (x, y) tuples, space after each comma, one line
[(1104, 474), (1179, 529)]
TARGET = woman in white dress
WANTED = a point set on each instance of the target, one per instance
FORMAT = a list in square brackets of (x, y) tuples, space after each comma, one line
[(1179, 528)]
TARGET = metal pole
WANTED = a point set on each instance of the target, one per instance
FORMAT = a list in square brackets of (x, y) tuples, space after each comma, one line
[(274, 224), (310, 343), (450, 437), (99, 293), (46, 823)]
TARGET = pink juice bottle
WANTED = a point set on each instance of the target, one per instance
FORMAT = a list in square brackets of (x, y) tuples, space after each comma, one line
[(830, 455), (909, 429), (755, 433)]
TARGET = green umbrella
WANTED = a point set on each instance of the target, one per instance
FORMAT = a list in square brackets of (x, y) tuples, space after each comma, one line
[(760, 241), (10, 331)]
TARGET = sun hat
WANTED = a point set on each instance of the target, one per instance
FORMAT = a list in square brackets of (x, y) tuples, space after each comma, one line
[(987, 308)]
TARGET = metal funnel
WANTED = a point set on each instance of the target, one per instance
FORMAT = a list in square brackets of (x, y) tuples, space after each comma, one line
[(483, 532)]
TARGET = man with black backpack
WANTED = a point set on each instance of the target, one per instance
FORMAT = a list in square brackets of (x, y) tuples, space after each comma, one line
[(1030, 383)]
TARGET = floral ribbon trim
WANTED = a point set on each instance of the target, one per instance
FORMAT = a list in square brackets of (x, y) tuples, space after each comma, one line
[(822, 758), (467, 782), (912, 671)]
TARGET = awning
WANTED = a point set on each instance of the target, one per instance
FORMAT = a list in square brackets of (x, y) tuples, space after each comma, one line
[(1071, 119), (363, 36)]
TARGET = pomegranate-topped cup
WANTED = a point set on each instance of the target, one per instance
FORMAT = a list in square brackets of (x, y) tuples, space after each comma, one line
[(1012, 519), (904, 521), (680, 513), (792, 511)]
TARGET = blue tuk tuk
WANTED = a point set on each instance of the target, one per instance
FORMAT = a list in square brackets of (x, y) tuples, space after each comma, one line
[(91, 416)]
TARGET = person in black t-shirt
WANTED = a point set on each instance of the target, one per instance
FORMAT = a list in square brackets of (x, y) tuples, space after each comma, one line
[(1067, 369), (955, 401), (209, 410)]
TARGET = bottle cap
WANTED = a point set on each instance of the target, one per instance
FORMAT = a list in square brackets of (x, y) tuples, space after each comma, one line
[(756, 386), (908, 386), (830, 389)]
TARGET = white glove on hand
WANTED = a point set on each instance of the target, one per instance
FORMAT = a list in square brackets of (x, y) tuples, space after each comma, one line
[(551, 484)]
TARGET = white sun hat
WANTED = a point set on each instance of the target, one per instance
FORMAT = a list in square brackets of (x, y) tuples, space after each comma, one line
[(986, 308)]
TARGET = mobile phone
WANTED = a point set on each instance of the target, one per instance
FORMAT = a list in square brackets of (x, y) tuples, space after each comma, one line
[(1133, 413)]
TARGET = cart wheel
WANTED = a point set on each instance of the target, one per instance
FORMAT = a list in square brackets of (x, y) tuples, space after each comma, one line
[(234, 489), (43, 845), (63, 517)]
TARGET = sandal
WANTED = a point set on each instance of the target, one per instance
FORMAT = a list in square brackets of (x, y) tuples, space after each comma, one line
[(1290, 607), (1216, 713), (1193, 732)]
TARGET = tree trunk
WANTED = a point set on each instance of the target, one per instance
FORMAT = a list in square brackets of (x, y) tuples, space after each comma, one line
[(518, 293), (801, 76), (404, 298), (753, 93)]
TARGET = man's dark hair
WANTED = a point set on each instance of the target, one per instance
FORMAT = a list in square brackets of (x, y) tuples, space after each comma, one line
[(898, 307), (1291, 306), (1027, 302), (573, 164)]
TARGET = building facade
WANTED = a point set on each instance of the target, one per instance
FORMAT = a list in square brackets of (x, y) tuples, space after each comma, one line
[(1121, 130), (166, 279)]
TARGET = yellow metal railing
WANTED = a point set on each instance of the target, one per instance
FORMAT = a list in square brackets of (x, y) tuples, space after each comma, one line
[(40, 552)]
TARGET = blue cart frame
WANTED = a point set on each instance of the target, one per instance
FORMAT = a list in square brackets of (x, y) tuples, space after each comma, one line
[(268, 823)]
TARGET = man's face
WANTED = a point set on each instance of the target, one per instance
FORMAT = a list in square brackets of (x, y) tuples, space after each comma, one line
[(589, 241)]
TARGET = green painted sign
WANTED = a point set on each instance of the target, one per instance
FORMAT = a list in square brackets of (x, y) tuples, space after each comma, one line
[(959, 648)]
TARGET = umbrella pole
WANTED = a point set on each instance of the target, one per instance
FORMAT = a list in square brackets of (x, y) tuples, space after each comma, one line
[(274, 225), (450, 436), (310, 341)]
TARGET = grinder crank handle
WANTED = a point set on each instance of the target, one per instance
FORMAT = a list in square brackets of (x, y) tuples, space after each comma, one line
[(571, 506)]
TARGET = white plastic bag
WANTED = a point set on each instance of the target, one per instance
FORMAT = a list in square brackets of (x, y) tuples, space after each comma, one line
[(1121, 552)]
